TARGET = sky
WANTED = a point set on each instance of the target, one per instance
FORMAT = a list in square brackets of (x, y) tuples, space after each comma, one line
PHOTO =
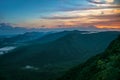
[(100, 14)]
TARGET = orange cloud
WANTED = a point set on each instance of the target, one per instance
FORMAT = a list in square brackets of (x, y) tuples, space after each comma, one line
[(101, 18)]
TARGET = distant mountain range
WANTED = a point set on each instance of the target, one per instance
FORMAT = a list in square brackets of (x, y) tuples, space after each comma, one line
[(49, 53), (8, 30), (104, 66), (20, 38)]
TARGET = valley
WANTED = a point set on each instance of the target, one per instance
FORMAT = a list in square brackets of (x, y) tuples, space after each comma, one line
[(50, 56)]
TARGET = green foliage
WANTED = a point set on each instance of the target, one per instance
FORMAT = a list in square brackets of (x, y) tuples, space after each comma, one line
[(101, 64), (104, 66), (55, 54)]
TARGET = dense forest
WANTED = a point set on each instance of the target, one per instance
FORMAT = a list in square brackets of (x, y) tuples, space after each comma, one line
[(103, 66), (54, 56)]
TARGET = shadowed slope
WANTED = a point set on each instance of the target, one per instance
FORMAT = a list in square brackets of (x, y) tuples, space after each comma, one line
[(104, 66)]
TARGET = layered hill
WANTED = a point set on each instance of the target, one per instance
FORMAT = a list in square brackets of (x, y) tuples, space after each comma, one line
[(20, 38), (53, 54), (104, 66), (72, 46)]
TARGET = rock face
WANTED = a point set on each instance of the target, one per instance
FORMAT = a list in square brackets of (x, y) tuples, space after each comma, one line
[(104, 66)]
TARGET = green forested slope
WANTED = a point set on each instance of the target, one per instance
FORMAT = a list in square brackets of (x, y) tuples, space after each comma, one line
[(54, 56), (105, 66)]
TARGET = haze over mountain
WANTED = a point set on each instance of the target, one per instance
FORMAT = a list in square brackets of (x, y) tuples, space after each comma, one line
[(20, 39), (8, 30), (52, 57), (46, 39)]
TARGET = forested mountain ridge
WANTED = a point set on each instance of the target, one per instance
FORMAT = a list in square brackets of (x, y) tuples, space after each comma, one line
[(104, 66), (73, 46), (47, 60)]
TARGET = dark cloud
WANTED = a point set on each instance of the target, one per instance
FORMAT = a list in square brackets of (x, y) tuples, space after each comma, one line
[(117, 2), (58, 17), (102, 17), (89, 8), (96, 2), (76, 6), (110, 16)]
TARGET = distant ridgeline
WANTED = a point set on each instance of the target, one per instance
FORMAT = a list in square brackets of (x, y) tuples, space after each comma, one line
[(49, 56), (105, 66)]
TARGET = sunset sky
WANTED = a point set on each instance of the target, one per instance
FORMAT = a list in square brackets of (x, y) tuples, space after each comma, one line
[(102, 14)]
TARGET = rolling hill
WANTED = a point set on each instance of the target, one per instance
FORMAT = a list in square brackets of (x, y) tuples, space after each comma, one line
[(20, 38), (52, 57)]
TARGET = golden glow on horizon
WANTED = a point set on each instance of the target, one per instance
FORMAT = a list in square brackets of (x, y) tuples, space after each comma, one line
[(99, 17), (110, 1), (108, 27)]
